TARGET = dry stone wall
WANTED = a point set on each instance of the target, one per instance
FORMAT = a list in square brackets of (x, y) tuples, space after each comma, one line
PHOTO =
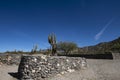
[(11, 59), (39, 67), (116, 56)]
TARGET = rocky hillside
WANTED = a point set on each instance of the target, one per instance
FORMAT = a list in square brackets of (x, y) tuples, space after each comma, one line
[(101, 48)]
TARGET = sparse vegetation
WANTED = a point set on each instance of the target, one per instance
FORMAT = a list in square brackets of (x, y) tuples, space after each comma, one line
[(71, 48), (34, 50), (102, 48)]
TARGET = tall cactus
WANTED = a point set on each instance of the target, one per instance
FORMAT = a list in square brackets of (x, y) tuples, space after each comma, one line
[(52, 42)]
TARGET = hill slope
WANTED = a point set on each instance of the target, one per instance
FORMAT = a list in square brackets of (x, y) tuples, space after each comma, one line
[(104, 47)]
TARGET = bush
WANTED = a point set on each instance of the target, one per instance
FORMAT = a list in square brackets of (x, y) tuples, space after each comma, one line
[(66, 47)]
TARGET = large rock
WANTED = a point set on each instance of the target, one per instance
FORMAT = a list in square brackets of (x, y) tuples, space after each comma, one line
[(38, 67)]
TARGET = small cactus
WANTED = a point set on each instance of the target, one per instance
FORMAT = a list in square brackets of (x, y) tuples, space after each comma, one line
[(34, 50), (52, 42)]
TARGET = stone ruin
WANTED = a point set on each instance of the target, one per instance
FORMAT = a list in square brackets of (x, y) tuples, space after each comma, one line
[(39, 67), (11, 59), (116, 56)]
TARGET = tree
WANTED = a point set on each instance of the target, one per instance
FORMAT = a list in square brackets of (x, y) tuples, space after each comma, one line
[(52, 42), (66, 47)]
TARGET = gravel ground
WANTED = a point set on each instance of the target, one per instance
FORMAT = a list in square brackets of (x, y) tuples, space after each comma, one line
[(105, 69), (97, 70)]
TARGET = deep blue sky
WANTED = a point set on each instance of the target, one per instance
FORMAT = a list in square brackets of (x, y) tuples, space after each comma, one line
[(24, 23)]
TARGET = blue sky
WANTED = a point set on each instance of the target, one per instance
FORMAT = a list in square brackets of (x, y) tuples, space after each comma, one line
[(24, 23)]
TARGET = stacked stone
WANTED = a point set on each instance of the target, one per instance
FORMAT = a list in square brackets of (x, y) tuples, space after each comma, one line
[(39, 67), (10, 59)]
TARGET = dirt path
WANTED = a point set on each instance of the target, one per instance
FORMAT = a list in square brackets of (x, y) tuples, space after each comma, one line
[(106, 69), (5, 70), (97, 70)]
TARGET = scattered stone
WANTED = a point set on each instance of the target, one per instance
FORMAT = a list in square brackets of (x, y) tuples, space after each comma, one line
[(70, 70), (83, 63), (11, 59)]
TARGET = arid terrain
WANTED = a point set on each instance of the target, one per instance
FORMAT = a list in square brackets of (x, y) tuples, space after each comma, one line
[(97, 70)]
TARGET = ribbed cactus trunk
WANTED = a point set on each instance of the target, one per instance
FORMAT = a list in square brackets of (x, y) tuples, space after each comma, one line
[(52, 42)]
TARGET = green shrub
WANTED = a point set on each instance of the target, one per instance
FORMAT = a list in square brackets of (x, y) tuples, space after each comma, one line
[(66, 47)]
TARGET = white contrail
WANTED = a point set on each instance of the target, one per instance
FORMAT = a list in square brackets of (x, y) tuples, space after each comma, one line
[(98, 35)]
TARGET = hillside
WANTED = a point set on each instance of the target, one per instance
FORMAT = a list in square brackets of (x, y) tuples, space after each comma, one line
[(101, 48)]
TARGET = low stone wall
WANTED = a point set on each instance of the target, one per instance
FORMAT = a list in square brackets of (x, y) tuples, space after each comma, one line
[(116, 56), (39, 67), (11, 59)]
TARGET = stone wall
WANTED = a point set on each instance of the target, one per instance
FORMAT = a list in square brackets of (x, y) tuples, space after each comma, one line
[(11, 59), (116, 56), (39, 67)]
